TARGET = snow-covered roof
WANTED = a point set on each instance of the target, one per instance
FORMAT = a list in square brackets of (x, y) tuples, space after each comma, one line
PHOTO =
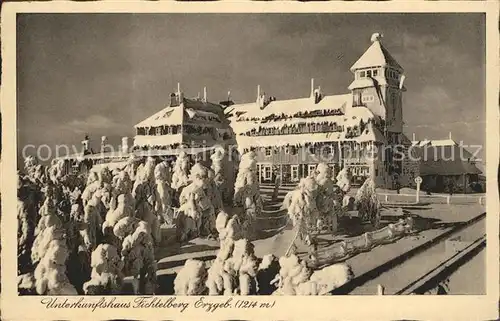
[(443, 167), (196, 109), (376, 55), (293, 106), (165, 117)]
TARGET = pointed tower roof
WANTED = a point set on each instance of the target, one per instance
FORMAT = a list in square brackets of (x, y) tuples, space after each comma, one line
[(376, 55)]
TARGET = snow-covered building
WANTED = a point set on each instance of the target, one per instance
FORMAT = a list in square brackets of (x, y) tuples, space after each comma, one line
[(355, 129), (191, 125), (444, 162)]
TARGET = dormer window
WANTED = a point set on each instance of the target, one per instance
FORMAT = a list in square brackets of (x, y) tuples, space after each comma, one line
[(362, 74), (368, 73)]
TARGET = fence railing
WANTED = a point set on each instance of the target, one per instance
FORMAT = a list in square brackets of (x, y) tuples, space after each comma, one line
[(435, 198)]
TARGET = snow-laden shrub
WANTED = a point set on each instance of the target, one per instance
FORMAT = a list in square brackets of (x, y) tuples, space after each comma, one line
[(293, 276), (26, 284), (302, 209), (221, 279), (180, 176), (267, 274), (196, 207), (124, 208), (164, 193), (368, 203), (243, 264), (331, 277), (234, 271), (191, 278), (247, 193), (138, 254), (344, 180), (327, 198), (107, 275), (228, 227), (144, 193)]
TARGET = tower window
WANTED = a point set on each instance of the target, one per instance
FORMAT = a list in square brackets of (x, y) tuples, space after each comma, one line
[(375, 73), (362, 74), (367, 98), (368, 73)]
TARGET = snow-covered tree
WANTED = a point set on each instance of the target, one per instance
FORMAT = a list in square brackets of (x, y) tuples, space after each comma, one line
[(213, 191), (163, 205), (196, 208), (224, 174), (368, 203), (91, 187), (27, 207), (107, 275), (247, 193), (50, 251), (191, 278), (131, 167), (327, 198), (50, 273), (303, 210), (48, 225), (138, 254), (90, 229), (105, 186), (180, 176)]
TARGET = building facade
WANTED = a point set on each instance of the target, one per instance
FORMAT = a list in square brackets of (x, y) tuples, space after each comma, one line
[(358, 130)]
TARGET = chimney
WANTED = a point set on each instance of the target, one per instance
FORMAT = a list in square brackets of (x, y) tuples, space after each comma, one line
[(449, 135), (312, 87), (179, 88), (104, 141), (205, 94), (414, 137), (125, 145), (258, 93)]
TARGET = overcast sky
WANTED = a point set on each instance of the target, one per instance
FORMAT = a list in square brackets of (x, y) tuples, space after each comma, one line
[(103, 73)]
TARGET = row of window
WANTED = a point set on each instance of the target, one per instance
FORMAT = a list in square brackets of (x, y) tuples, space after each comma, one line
[(374, 72), (302, 128), (159, 131)]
